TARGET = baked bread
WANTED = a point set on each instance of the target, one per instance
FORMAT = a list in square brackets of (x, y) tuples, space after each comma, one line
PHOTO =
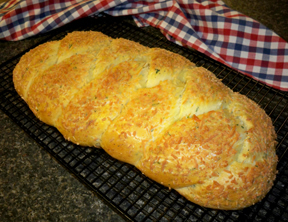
[(156, 110)]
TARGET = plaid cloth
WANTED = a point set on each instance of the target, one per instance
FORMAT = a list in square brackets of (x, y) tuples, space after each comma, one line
[(208, 26)]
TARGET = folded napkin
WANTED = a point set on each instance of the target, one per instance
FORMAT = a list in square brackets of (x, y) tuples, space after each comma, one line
[(208, 26)]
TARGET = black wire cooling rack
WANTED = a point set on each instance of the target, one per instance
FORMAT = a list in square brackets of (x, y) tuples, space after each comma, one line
[(122, 186)]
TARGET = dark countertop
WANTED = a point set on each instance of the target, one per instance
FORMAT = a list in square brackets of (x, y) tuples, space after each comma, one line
[(34, 187)]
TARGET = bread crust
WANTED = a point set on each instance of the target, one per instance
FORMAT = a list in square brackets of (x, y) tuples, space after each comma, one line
[(154, 109)]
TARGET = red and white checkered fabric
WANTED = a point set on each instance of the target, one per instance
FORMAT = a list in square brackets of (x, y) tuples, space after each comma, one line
[(208, 26)]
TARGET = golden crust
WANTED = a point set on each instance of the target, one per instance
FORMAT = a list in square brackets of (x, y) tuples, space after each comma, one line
[(53, 89), (154, 109), (192, 150), (32, 63), (82, 42), (141, 120), (98, 104)]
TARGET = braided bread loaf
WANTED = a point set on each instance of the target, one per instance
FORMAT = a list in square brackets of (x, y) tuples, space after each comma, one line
[(154, 109)]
